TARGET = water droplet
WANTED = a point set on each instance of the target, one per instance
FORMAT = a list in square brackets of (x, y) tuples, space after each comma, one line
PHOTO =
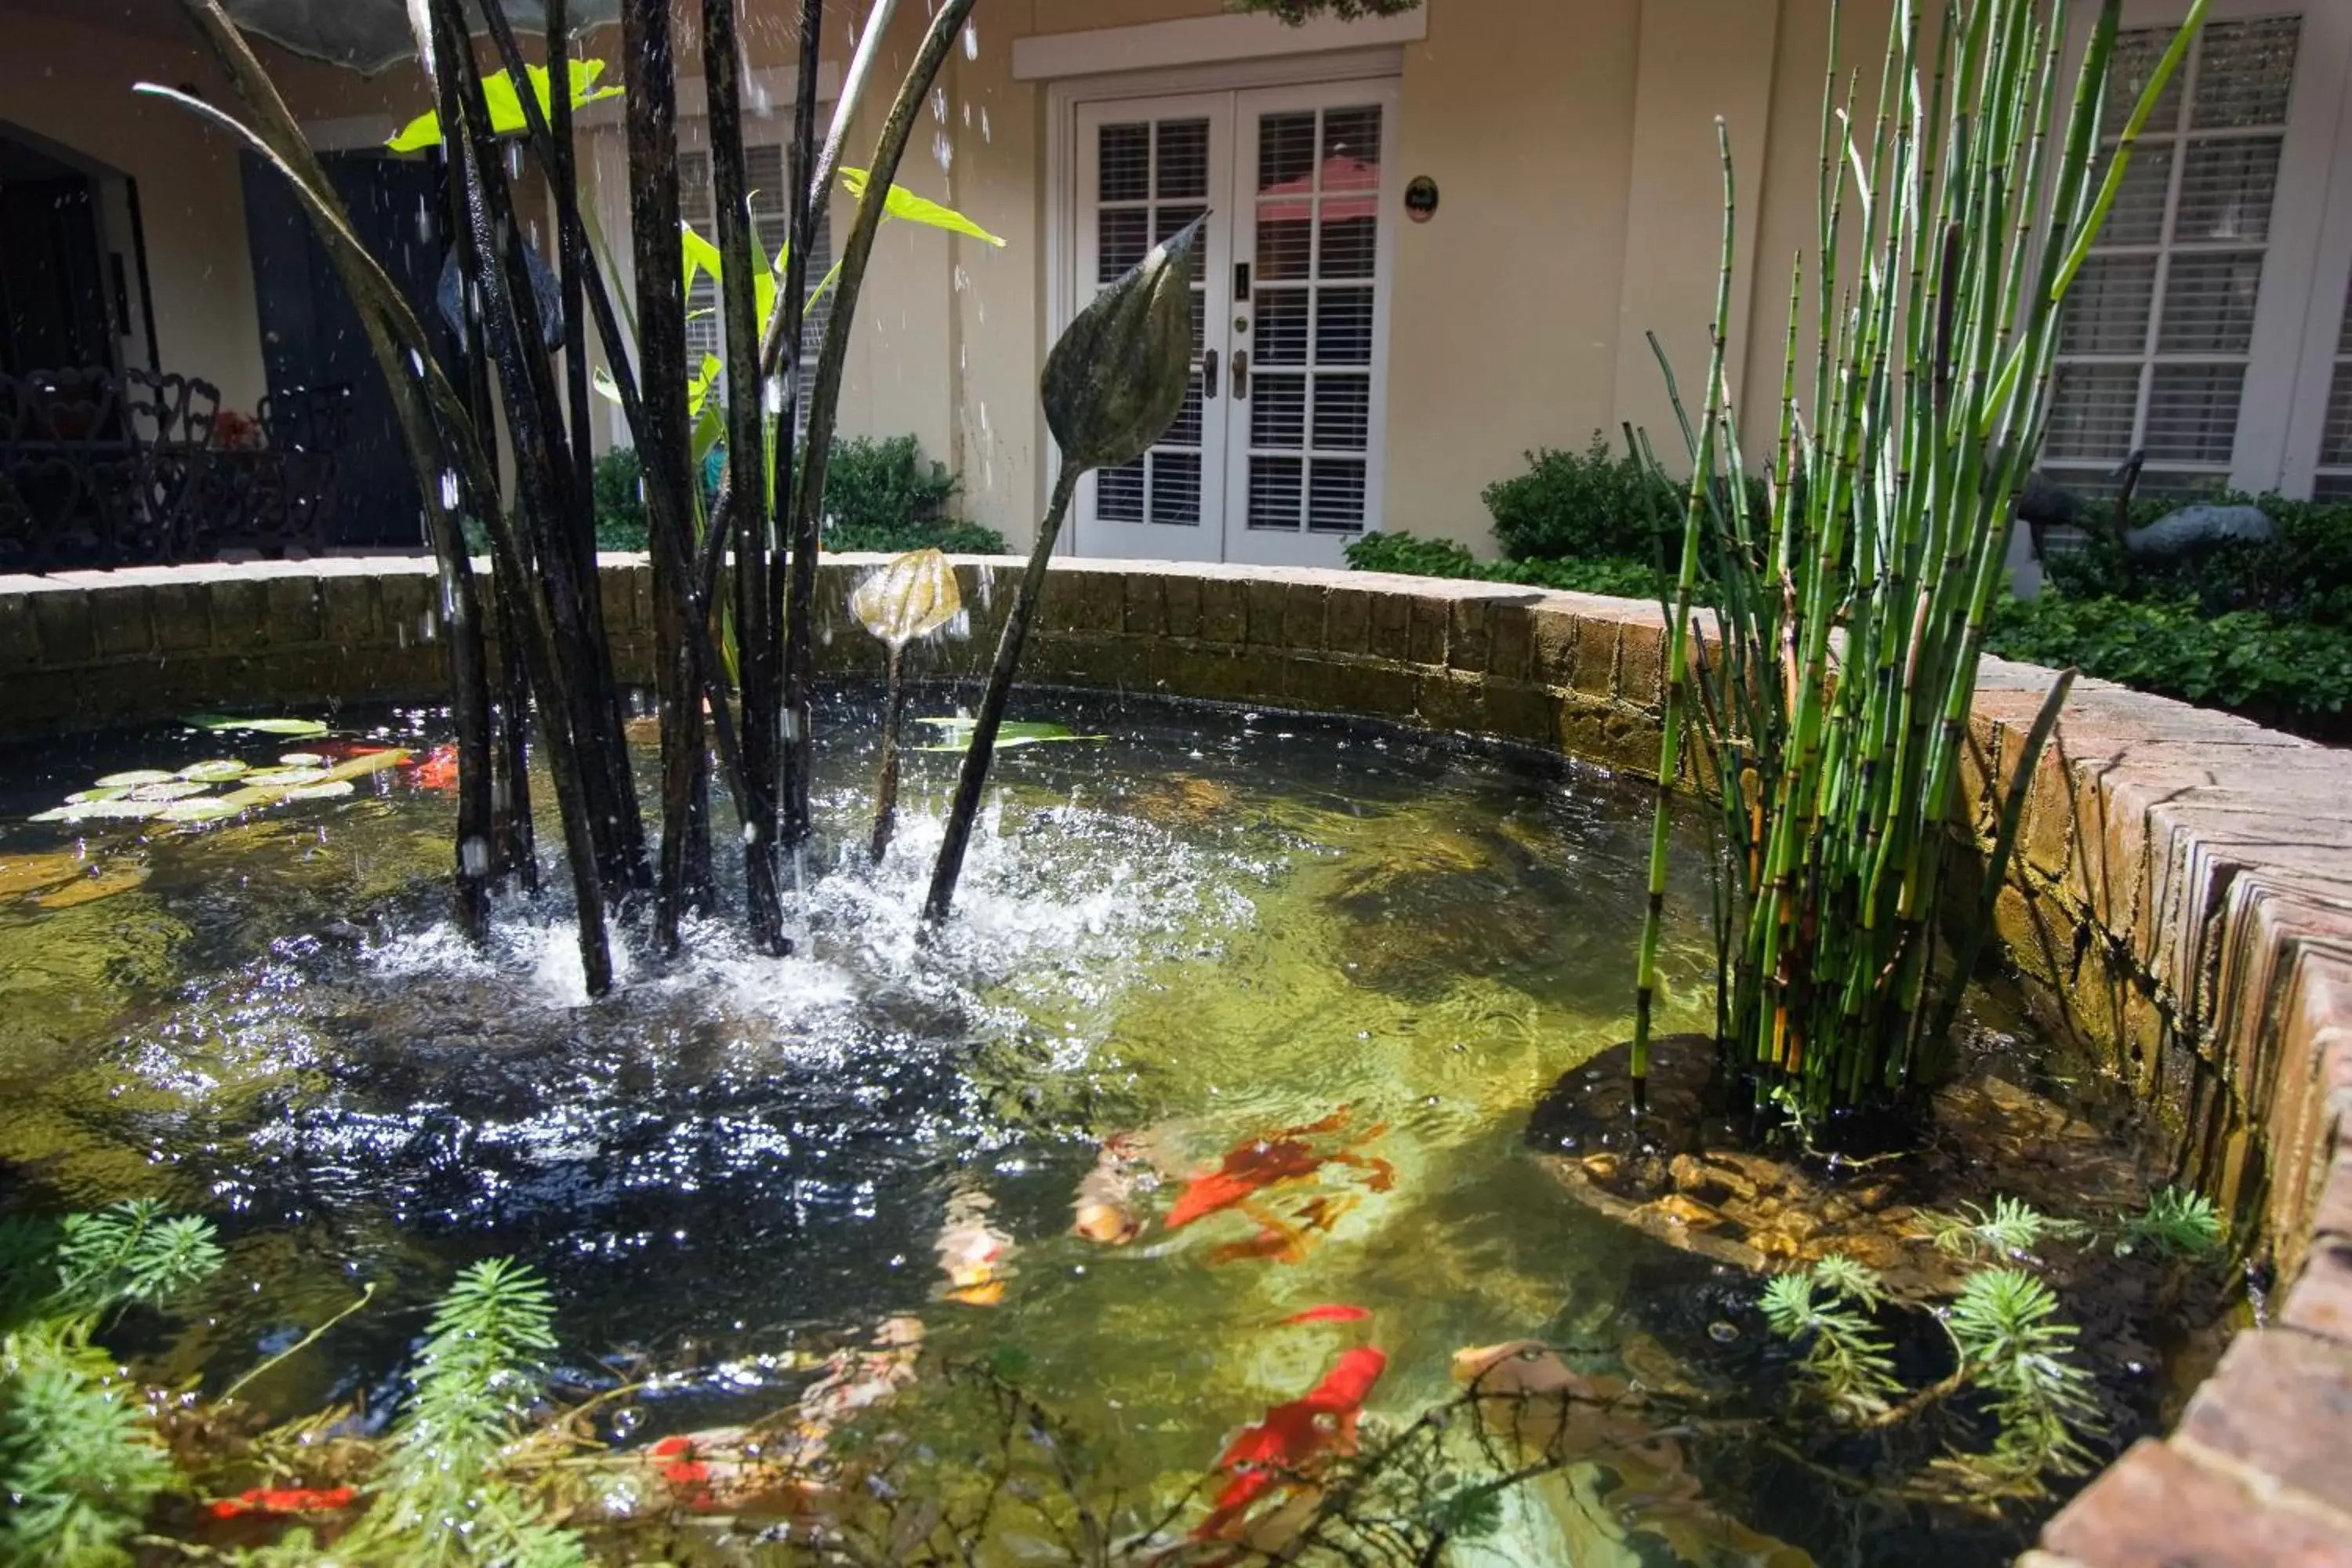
[(943, 151), (984, 132), (1721, 1332), (939, 104), (474, 855), (971, 42), (448, 489)]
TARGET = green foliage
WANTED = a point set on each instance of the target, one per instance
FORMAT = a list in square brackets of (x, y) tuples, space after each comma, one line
[(1826, 1310), (1410, 553), (880, 495), (2013, 1229), (480, 1375), (2292, 672), (620, 500), (2013, 1346), (79, 1461), (2303, 573), (2175, 1224), (1577, 506)]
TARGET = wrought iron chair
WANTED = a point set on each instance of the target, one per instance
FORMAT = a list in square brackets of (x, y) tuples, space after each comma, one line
[(171, 419)]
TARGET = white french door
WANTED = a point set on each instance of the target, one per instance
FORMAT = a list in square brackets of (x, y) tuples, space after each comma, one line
[(1276, 457)]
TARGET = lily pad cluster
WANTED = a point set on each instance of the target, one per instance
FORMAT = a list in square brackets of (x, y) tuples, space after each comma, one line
[(194, 794)]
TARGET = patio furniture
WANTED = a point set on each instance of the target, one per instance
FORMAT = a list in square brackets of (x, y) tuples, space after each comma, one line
[(96, 472)]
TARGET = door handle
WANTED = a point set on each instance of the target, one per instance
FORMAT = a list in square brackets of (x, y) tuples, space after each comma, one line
[(1209, 375), (1240, 373)]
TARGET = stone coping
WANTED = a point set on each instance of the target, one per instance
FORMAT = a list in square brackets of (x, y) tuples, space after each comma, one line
[(2181, 897)]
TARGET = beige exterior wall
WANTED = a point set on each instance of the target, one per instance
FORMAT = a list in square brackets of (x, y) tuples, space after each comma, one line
[(1573, 144)]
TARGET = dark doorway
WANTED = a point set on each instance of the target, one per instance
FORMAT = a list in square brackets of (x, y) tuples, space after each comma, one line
[(311, 332), (53, 313)]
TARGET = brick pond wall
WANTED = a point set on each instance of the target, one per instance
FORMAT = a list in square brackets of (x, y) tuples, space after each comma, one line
[(2182, 897)]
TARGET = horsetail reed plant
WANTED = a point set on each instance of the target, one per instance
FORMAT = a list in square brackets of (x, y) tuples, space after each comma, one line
[(1831, 694)]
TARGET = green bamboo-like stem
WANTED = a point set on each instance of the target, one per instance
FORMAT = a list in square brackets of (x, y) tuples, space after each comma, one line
[(972, 778), (1678, 639), (1853, 619), (824, 401)]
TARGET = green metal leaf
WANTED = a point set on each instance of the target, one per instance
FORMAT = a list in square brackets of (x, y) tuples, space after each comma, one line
[(901, 203), (506, 105), (1116, 379)]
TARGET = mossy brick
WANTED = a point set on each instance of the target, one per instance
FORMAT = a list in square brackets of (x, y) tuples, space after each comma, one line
[(346, 609), (1641, 666), (119, 623), (405, 607), (1224, 611), (1466, 635), (616, 598), (1305, 609), (1143, 608), (1218, 674), (1333, 686), (1267, 616), (1091, 602), (1449, 701), (1347, 620), (1389, 634), (1552, 658), (62, 618), (292, 606), (1595, 671), (240, 614), (1510, 641), (20, 639), (1182, 594), (1516, 710), (1432, 616)]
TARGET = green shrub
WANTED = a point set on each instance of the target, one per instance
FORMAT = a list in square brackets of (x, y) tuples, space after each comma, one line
[(880, 495), (1420, 557), (1581, 506), (620, 500), (2303, 571), (2296, 674)]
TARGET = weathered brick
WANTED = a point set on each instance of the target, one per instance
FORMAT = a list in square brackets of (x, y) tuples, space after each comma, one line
[(20, 640), (1552, 659), (62, 618), (1347, 621), (346, 609), (292, 606), (1390, 633), (1267, 612), (1143, 610), (2155, 1506), (2281, 1403), (1595, 667), (1450, 701), (1641, 664), (1510, 641), (1467, 640), (117, 622), (1303, 610), (1224, 611), (1182, 595), (1431, 617), (1094, 602)]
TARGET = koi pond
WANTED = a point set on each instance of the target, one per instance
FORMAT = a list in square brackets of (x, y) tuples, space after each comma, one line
[(1234, 1179)]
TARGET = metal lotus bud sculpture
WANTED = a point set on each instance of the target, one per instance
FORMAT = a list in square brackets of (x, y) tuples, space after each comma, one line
[(1112, 387), (911, 596)]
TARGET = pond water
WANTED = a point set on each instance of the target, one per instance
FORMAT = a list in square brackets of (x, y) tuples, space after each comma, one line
[(1338, 963)]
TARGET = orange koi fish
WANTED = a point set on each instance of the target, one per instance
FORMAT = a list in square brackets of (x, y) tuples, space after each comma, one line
[(1276, 1159), (1275, 1454), (1327, 1314), (436, 770), (283, 1500)]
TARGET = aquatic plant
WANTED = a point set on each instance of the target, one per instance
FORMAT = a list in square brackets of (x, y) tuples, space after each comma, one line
[(2011, 1228), (80, 1459), (1828, 702), (2177, 1223), (1825, 1310)]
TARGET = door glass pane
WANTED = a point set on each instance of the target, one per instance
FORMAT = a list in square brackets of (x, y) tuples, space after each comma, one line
[(2333, 479), (1314, 310), (1154, 180), (2153, 348)]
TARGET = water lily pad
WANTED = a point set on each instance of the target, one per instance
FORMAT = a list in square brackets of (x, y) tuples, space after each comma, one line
[(125, 810), (135, 777), (331, 789), (173, 789), (301, 759), (217, 770), (283, 778), (955, 734), (200, 808), (296, 729), (104, 792)]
